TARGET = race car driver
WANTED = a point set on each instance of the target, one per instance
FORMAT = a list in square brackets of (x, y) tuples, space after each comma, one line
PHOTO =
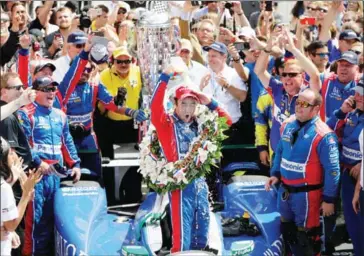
[(175, 133), (307, 164), (348, 122), (46, 129)]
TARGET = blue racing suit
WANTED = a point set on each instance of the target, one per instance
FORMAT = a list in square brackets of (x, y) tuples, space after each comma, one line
[(306, 160), (348, 128), (189, 207), (79, 106), (48, 135), (333, 95)]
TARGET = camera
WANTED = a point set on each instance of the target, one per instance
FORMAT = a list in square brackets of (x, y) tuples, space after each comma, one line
[(241, 46), (228, 5), (120, 97), (85, 20), (268, 6)]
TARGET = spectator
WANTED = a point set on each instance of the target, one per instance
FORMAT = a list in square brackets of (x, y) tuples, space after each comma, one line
[(43, 15), (222, 82), (10, 172), (75, 43), (302, 194), (54, 41), (123, 78), (49, 141), (122, 9), (255, 16), (348, 122), (19, 16), (319, 55)]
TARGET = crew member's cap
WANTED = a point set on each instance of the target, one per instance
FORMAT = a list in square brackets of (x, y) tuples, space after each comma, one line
[(121, 51), (99, 54), (77, 37), (184, 92), (348, 34), (42, 82), (350, 57), (217, 46), (46, 65)]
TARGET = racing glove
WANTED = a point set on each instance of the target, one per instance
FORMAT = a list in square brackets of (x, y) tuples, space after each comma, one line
[(138, 115)]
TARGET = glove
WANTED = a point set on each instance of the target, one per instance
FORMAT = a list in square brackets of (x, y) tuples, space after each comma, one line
[(138, 115)]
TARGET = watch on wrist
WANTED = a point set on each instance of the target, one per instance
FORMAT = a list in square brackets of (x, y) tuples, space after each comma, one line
[(236, 60), (267, 51)]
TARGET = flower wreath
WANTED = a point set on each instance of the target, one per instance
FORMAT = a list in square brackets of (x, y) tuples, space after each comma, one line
[(204, 151)]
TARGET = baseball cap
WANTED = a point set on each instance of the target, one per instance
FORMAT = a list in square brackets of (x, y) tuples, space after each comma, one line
[(186, 44), (124, 5), (359, 88), (42, 82), (46, 65), (77, 37), (99, 54), (184, 92), (247, 32), (121, 51), (350, 57), (217, 46), (348, 34)]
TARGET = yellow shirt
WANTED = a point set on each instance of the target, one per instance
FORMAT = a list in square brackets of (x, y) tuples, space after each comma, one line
[(133, 84)]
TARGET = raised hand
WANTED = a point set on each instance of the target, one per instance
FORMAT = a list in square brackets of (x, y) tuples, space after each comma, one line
[(27, 97), (28, 185), (25, 41)]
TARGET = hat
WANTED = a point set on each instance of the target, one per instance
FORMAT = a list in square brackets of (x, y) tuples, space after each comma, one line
[(348, 34), (37, 34), (124, 5), (247, 32), (46, 65), (99, 54), (217, 46), (77, 37), (350, 57), (121, 51), (42, 82), (186, 44), (359, 88), (184, 92)]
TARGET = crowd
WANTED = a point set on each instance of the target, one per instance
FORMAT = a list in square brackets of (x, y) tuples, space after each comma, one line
[(72, 87)]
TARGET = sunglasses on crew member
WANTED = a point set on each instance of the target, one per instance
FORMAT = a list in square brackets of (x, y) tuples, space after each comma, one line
[(121, 11), (16, 87), (123, 61), (290, 74), (321, 55), (303, 104), (47, 89), (80, 46)]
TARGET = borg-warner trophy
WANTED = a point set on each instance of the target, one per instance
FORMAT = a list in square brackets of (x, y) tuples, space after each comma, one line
[(156, 43)]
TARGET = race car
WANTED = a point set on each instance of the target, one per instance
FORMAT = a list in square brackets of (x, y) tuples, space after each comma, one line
[(246, 224)]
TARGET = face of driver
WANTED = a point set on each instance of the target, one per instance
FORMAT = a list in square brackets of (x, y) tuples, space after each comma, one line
[(186, 108)]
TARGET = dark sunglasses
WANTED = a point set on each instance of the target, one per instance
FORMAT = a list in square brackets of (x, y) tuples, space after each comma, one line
[(88, 70), (80, 46), (322, 54), (290, 74), (16, 87), (121, 11), (357, 52), (48, 89), (322, 10), (310, 8), (303, 104), (123, 61)]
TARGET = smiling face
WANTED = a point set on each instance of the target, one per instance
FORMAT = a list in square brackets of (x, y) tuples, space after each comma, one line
[(46, 98), (346, 71), (186, 108), (294, 78)]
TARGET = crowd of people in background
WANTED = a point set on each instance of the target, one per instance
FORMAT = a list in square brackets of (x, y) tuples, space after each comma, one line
[(295, 90)]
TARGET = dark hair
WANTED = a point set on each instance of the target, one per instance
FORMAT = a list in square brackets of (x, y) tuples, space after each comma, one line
[(103, 8), (312, 47), (5, 170), (17, 4), (298, 9)]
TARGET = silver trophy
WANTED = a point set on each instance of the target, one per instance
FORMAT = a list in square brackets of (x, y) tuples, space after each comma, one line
[(156, 42)]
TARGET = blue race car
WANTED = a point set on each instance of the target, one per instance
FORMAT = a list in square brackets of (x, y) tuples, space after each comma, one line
[(247, 224)]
